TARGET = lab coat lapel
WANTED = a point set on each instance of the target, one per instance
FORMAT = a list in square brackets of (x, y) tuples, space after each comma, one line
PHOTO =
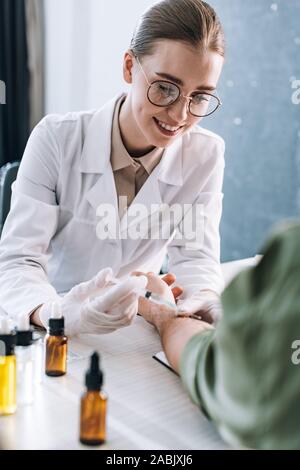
[(171, 165), (103, 198), (95, 159)]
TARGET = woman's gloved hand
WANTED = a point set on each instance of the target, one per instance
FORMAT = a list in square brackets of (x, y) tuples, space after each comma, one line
[(116, 308), (205, 305)]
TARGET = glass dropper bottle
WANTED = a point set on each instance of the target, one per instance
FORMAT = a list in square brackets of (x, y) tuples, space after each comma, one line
[(56, 344), (8, 402), (93, 406), (25, 355)]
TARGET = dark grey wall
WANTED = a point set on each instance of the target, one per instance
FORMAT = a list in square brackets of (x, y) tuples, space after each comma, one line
[(259, 122)]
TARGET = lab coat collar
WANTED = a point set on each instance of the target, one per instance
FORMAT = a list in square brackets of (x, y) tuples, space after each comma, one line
[(96, 151), (171, 165), (95, 156)]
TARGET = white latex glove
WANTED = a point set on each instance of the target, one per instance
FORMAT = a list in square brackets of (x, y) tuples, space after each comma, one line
[(204, 304), (116, 308)]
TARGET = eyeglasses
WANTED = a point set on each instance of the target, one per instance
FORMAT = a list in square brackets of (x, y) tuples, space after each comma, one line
[(163, 93)]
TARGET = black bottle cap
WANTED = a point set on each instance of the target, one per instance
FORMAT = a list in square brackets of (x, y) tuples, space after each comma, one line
[(57, 326), (9, 342), (94, 376), (25, 338)]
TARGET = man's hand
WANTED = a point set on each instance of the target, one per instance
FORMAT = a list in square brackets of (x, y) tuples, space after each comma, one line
[(169, 279), (174, 331), (204, 304), (159, 286)]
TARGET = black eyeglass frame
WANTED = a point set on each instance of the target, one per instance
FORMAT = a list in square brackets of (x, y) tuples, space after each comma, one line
[(219, 103), (190, 98)]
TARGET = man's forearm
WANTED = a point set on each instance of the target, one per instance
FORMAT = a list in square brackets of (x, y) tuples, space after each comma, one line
[(176, 333)]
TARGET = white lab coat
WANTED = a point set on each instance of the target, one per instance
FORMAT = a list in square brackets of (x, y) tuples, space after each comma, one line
[(49, 242)]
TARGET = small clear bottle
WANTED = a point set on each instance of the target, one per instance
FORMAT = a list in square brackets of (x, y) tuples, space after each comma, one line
[(93, 406), (39, 358), (25, 355), (56, 344), (8, 375)]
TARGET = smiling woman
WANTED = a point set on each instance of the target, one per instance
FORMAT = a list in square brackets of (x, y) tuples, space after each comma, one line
[(181, 42), (142, 151), (144, 118)]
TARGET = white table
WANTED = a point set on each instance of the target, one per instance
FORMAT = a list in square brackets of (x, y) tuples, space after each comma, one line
[(147, 409)]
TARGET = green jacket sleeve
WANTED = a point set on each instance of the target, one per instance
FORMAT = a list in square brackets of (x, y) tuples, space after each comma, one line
[(243, 375), (193, 363)]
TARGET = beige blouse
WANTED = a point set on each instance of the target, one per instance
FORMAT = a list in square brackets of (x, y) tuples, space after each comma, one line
[(130, 173)]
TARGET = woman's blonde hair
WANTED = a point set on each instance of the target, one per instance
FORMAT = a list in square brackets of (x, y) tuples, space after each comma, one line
[(191, 21)]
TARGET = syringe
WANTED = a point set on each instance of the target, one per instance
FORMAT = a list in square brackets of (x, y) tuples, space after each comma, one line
[(119, 287), (157, 299), (148, 294)]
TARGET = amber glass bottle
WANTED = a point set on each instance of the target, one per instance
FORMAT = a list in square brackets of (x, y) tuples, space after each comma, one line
[(93, 407), (56, 344)]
